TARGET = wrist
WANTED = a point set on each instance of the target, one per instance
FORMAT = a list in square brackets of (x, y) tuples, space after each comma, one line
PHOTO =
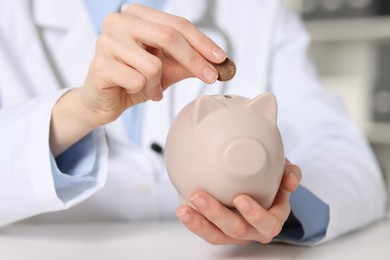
[(70, 121)]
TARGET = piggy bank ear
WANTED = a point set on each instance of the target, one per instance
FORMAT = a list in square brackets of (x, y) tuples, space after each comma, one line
[(204, 106), (266, 105)]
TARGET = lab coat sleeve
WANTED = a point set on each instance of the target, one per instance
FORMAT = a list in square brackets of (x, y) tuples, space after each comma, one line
[(309, 219), (337, 164), (27, 187), (74, 173)]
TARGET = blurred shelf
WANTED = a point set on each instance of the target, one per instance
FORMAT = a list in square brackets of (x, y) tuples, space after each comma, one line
[(378, 133), (349, 29)]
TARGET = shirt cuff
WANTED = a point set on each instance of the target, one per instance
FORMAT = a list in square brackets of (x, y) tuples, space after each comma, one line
[(74, 172), (308, 221)]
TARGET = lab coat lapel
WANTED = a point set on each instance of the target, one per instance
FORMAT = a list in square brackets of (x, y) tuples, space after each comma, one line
[(67, 30), (53, 14)]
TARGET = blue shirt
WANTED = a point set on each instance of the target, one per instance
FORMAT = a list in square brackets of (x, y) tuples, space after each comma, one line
[(310, 217)]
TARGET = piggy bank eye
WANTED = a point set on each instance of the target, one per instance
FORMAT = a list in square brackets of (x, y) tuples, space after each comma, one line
[(245, 157)]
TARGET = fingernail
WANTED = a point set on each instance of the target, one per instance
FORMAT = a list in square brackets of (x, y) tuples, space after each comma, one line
[(242, 204), (183, 215), (199, 201), (219, 54), (210, 75), (158, 94), (294, 178)]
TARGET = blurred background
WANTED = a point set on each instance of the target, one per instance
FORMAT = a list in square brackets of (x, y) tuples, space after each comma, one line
[(351, 50)]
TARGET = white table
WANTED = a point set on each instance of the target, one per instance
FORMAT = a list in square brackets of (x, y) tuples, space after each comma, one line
[(171, 241)]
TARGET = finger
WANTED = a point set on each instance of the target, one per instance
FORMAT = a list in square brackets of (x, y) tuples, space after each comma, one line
[(289, 182), (266, 224), (172, 71), (281, 207), (157, 93), (133, 55), (128, 28), (147, 64), (225, 219), (291, 178), (114, 73), (289, 167), (203, 228), (178, 48), (208, 48)]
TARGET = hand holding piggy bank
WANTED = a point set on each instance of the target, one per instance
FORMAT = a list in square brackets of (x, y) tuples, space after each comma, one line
[(226, 145)]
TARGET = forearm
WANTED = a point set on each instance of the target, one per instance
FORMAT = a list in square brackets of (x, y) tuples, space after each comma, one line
[(69, 122), (25, 171)]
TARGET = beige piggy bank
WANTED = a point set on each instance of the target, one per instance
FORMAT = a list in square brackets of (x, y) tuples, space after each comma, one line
[(226, 145)]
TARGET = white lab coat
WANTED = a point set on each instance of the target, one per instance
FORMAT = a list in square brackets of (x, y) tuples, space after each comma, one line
[(269, 47)]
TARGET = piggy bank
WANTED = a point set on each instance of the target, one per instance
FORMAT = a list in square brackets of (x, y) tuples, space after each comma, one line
[(226, 145)]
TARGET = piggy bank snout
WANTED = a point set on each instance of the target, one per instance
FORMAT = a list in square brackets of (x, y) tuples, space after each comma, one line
[(245, 157)]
